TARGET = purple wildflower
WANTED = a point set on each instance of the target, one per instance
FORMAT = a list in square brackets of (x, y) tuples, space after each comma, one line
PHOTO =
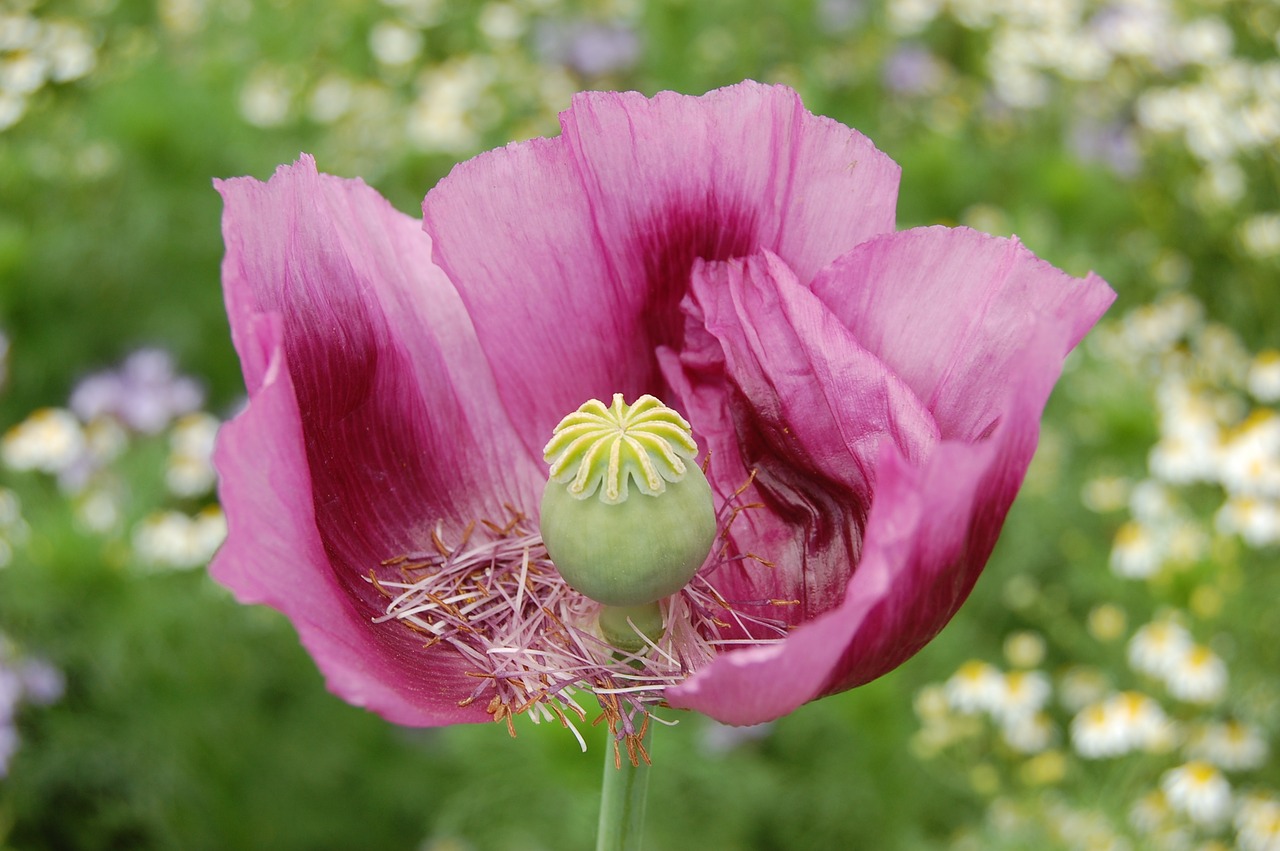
[(913, 70), (145, 393), (591, 48), (1113, 144)]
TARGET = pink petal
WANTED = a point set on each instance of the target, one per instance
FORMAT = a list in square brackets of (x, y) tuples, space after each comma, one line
[(275, 555), (774, 383), (599, 229), (372, 416), (980, 298), (931, 525)]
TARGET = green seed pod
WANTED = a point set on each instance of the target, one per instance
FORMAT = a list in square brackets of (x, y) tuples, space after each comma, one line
[(622, 545)]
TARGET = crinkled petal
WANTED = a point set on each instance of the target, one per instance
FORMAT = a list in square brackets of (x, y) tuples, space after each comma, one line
[(951, 310), (777, 385), (372, 417), (931, 525), (599, 229)]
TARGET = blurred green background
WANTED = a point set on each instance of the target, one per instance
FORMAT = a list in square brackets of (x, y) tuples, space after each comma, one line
[(1137, 139)]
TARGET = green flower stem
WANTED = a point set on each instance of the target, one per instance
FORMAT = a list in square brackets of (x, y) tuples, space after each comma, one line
[(622, 797), (618, 625)]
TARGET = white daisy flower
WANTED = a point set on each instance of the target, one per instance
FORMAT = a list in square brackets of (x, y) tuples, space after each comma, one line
[(1023, 694), (190, 469), (1230, 745), (174, 540), (1250, 458), (1190, 435), (1199, 791), (1200, 676), (1151, 503), (1124, 722), (50, 440), (1257, 521), (976, 687), (1258, 824), (1029, 733), (1157, 648), (1138, 552), (1264, 376)]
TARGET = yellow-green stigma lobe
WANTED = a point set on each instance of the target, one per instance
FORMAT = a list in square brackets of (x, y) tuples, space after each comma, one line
[(600, 450), (610, 543)]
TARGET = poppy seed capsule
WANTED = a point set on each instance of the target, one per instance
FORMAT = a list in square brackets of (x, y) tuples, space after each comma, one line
[(627, 516)]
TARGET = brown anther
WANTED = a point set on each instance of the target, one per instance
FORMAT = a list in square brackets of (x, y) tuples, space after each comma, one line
[(751, 477), (644, 753), (373, 579), (553, 617), (439, 544), (577, 710), (510, 526), (451, 609)]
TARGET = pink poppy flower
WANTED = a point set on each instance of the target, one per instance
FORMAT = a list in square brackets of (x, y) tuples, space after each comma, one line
[(867, 402)]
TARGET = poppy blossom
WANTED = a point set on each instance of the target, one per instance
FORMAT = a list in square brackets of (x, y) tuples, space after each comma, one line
[(865, 403)]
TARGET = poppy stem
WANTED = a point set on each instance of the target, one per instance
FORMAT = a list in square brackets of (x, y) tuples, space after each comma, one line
[(622, 797)]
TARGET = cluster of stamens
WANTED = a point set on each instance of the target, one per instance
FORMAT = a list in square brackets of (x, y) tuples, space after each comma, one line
[(495, 598)]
